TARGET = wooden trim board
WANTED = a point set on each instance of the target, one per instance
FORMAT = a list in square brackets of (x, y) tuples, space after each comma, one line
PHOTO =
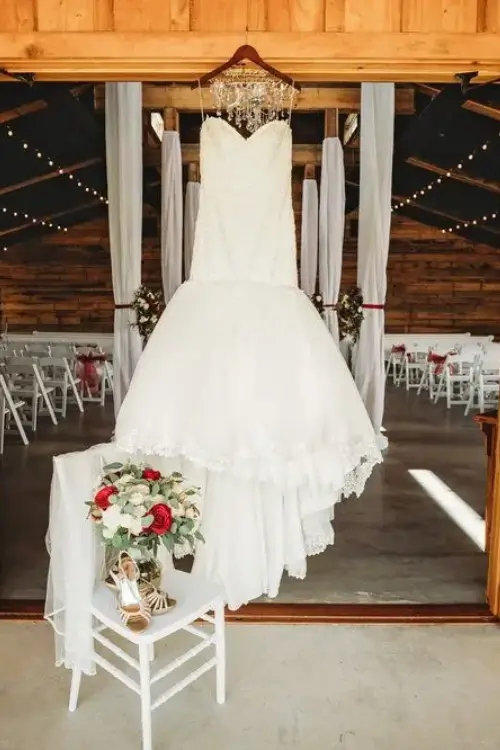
[(184, 55), (302, 614)]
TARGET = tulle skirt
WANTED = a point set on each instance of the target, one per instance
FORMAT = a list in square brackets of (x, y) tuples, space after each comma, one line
[(243, 389)]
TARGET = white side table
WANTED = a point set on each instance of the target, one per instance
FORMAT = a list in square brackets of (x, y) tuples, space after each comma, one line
[(195, 598)]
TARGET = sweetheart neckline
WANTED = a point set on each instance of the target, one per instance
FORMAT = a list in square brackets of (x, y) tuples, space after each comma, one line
[(238, 134)]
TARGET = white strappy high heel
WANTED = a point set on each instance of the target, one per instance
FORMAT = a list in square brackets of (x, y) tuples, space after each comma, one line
[(135, 611), (158, 601)]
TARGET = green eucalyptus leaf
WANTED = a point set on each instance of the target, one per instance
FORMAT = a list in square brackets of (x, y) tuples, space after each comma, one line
[(147, 521)]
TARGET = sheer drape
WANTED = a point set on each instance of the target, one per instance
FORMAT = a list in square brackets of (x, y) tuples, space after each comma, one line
[(76, 560), (124, 174), (309, 237), (331, 228), (377, 139), (171, 213), (192, 202)]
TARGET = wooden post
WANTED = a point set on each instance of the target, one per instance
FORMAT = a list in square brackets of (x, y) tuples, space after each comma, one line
[(193, 172), (331, 123), (171, 118), (310, 172)]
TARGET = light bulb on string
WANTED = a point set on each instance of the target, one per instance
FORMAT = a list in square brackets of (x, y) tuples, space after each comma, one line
[(61, 171), (446, 174)]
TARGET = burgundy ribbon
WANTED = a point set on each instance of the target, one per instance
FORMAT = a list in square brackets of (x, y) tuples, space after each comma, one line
[(374, 307)]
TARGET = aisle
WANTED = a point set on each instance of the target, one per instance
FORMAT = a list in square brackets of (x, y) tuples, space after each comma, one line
[(393, 545)]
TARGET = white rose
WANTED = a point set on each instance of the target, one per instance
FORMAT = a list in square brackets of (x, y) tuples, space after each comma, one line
[(177, 512), (142, 488), (134, 525), (112, 519), (123, 481), (139, 511), (136, 498), (191, 513)]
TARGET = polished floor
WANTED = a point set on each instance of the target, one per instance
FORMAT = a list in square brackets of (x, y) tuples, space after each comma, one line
[(307, 687), (393, 545)]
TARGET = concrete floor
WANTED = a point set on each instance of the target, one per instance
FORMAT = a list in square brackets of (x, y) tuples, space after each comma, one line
[(331, 688), (392, 545)]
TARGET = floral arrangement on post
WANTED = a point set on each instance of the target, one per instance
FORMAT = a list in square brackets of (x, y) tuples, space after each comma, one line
[(350, 314), (135, 509), (147, 306), (318, 302)]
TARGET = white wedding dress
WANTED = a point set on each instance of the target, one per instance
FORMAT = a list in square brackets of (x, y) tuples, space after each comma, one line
[(241, 384)]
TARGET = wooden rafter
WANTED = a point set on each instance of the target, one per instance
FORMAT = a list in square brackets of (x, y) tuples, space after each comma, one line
[(486, 110), (50, 218), (50, 175), (459, 176), (421, 212), (309, 99), (33, 106)]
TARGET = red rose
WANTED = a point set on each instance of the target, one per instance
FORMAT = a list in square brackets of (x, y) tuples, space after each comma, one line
[(151, 474), (162, 516), (102, 497)]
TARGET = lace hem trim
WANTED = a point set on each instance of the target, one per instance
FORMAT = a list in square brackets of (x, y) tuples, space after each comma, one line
[(337, 467)]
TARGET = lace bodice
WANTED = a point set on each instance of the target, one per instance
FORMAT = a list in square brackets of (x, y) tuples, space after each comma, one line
[(245, 229)]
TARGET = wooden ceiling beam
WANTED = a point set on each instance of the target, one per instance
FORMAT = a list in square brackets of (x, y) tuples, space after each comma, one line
[(457, 175), (157, 55), (50, 175), (309, 99), (302, 154)]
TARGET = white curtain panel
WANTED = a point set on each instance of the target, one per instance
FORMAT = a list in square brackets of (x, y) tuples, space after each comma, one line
[(309, 237), (191, 205), (377, 143), (171, 213), (124, 175), (331, 228)]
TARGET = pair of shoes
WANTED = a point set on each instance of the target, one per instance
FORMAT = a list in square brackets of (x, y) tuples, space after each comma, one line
[(158, 601), (135, 610)]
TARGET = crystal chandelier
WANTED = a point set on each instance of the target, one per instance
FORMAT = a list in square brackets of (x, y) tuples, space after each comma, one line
[(250, 96)]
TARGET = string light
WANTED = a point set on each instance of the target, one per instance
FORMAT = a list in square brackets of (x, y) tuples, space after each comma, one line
[(34, 220), (61, 171), (439, 180), (485, 219)]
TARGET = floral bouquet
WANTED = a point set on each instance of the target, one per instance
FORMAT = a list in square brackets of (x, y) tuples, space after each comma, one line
[(135, 509), (147, 306), (350, 314)]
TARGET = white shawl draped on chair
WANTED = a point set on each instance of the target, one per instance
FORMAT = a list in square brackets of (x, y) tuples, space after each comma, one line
[(124, 174), (377, 143), (331, 228), (76, 560), (192, 202), (309, 237), (171, 213)]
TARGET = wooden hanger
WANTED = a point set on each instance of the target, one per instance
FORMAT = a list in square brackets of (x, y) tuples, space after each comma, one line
[(246, 52)]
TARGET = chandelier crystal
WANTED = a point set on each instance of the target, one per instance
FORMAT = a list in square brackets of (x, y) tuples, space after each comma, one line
[(251, 97)]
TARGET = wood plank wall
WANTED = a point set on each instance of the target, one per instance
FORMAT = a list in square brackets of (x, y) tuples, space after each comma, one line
[(449, 16), (434, 283)]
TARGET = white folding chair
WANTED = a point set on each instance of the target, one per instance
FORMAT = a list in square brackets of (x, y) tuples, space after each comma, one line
[(456, 376), (26, 382), (10, 408), (56, 373)]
